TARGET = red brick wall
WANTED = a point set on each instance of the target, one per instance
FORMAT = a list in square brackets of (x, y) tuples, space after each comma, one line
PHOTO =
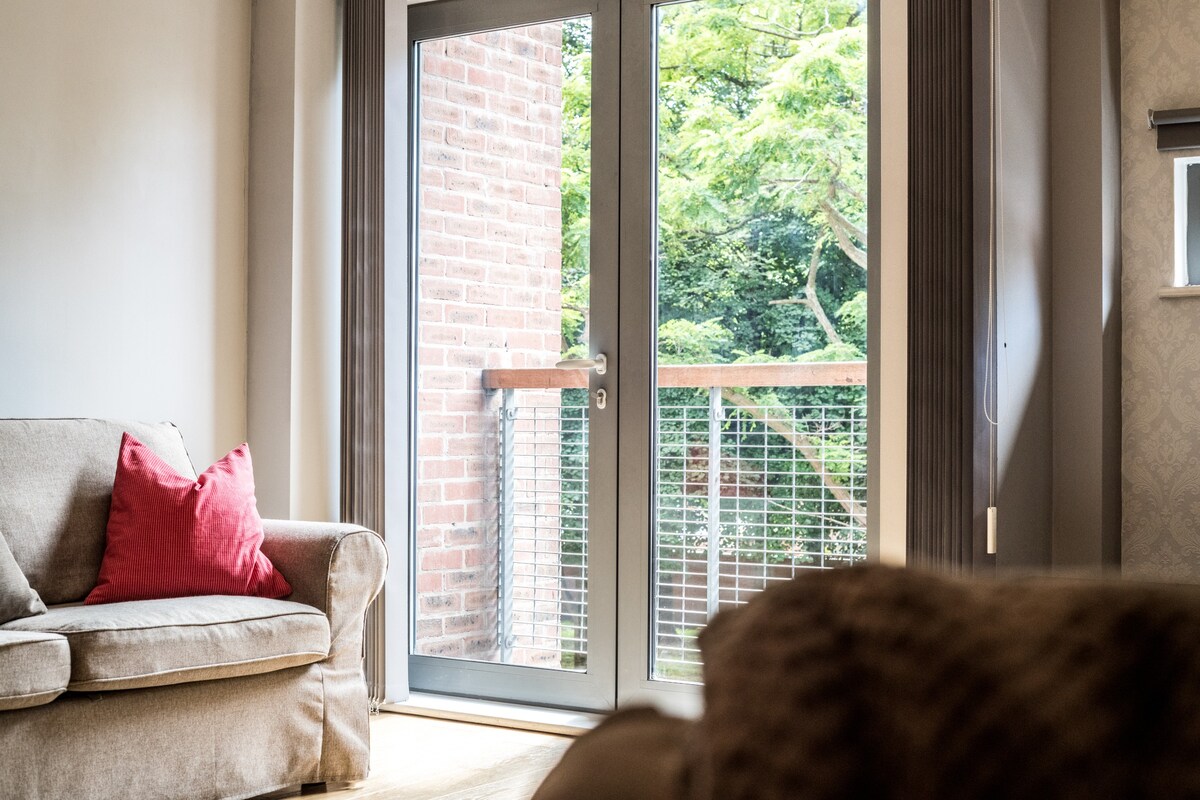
[(489, 297)]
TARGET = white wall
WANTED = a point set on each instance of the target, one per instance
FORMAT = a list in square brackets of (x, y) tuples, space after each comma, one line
[(888, 491), (294, 325), (317, 294), (123, 136)]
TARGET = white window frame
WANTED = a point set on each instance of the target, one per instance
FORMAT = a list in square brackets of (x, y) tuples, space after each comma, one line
[(1182, 200)]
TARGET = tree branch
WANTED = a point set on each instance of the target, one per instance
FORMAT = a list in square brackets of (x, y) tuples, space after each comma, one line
[(737, 226), (812, 453), (811, 299), (797, 34), (791, 36), (841, 186), (846, 231), (810, 293)]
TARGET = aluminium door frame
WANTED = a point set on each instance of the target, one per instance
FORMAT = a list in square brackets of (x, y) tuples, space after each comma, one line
[(639, 312), (593, 690), (623, 292), (639, 317)]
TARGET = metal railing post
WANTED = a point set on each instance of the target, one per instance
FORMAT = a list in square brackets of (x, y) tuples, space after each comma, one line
[(715, 415), (824, 429), (508, 418)]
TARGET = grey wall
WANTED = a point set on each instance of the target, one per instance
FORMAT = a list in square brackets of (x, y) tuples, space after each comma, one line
[(123, 212), (1085, 298), (1023, 323), (1161, 453), (294, 325), (1058, 304)]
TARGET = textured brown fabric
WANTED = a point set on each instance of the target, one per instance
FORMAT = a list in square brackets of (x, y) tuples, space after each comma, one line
[(635, 754), (159, 642), (34, 668), (56, 478), (895, 685), (17, 597), (234, 738), (338, 569), (886, 683)]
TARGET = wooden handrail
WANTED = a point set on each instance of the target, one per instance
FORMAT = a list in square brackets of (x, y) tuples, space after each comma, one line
[(675, 376), (816, 373), (535, 378)]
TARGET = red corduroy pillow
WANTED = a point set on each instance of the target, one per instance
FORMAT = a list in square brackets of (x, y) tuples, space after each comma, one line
[(171, 536)]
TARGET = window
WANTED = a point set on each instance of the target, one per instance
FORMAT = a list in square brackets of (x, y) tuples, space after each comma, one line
[(1187, 221)]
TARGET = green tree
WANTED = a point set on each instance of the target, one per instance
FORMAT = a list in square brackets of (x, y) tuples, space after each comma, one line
[(761, 176), (762, 170), (761, 209)]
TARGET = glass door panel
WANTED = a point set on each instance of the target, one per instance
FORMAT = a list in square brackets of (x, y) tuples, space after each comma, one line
[(760, 274), (503, 295), (712, 155), (501, 477)]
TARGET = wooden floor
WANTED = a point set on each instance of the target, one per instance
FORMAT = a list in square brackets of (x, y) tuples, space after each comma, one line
[(417, 758)]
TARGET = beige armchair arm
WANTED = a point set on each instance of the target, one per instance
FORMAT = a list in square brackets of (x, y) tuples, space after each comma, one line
[(335, 567), (338, 569)]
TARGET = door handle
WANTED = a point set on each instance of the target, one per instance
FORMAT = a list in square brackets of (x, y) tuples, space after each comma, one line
[(599, 363)]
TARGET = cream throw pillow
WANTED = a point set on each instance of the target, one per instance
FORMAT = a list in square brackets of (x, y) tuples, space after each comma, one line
[(17, 597)]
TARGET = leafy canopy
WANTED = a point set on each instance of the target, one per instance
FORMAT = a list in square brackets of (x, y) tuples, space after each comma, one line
[(761, 181)]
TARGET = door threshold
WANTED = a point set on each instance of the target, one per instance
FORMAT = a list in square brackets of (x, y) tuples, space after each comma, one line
[(491, 712)]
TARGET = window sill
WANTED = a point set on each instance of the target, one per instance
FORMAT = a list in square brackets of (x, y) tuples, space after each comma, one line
[(504, 715), (1173, 292)]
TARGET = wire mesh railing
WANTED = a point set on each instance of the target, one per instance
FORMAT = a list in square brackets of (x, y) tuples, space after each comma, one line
[(748, 492), (543, 528)]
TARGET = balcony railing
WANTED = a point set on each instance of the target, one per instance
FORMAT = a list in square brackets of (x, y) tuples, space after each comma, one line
[(751, 487)]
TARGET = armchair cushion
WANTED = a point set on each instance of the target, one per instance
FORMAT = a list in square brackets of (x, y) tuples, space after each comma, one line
[(34, 668), (159, 642), (17, 597), (56, 481)]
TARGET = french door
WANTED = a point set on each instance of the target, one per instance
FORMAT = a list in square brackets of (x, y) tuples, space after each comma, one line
[(515, 109), (638, 332)]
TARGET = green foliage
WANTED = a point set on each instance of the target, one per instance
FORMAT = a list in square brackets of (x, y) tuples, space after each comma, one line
[(575, 304), (576, 158), (681, 341), (852, 317), (761, 155), (761, 179), (762, 145), (836, 351)]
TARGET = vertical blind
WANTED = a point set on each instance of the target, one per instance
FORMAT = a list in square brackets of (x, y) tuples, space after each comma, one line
[(362, 467), (941, 297)]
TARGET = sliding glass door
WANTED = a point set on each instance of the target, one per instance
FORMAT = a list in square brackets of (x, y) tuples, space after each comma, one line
[(640, 332)]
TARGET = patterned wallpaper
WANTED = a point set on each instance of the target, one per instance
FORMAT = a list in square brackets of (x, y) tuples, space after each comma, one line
[(1160, 532)]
